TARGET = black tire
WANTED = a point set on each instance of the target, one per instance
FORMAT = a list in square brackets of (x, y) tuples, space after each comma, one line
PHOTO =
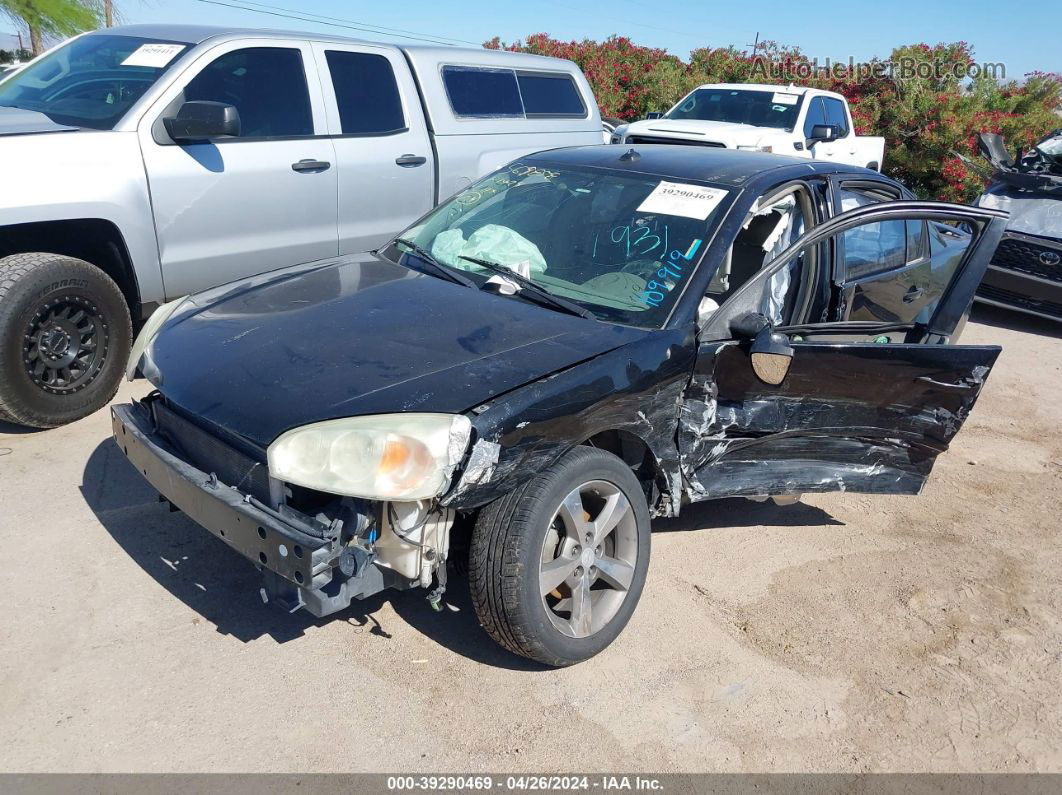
[(508, 549), (56, 310)]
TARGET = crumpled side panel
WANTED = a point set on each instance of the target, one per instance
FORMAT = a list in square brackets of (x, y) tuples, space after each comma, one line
[(636, 390), (876, 429)]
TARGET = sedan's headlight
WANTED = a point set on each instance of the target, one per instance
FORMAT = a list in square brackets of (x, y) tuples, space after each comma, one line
[(380, 457), (148, 332)]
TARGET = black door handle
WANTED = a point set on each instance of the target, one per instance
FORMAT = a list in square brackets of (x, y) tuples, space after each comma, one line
[(309, 165), (411, 160), (912, 294)]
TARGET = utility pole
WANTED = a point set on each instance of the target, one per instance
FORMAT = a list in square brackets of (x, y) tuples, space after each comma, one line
[(108, 13), (755, 44)]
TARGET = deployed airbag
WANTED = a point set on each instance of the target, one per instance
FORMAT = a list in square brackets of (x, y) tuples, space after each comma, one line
[(492, 242)]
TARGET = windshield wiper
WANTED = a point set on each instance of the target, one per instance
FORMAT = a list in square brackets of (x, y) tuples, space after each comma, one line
[(526, 284), (440, 269)]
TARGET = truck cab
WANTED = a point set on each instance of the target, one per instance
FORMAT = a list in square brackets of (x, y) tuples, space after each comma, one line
[(789, 120)]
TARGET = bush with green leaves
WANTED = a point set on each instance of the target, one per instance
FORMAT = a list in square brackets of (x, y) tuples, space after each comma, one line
[(927, 115)]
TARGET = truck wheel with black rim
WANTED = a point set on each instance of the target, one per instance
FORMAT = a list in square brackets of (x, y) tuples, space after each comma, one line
[(558, 565), (65, 336)]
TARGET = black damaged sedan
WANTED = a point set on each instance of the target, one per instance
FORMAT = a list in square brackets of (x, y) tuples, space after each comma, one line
[(581, 341)]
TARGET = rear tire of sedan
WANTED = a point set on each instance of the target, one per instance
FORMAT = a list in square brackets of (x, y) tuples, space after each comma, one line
[(557, 566), (65, 336)]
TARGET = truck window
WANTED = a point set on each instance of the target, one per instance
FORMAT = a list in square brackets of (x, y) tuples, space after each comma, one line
[(550, 95), (835, 115), (816, 115), (267, 85), (777, 109), (482, 92), (366, 93)]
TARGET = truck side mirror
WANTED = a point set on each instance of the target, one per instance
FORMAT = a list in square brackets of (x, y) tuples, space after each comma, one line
[(770, 352), (200, 120), (821, 132), (654, 115)]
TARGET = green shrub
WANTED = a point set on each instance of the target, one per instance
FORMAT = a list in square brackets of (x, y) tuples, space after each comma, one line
[(925, 119)]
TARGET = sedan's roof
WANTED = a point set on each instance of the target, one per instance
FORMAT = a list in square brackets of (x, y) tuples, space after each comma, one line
[(702, 163)]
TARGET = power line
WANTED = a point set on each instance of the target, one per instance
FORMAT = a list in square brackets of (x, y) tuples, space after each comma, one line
[(351, 25), (381, 28)]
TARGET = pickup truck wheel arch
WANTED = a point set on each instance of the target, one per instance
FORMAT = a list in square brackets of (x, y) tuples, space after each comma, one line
[(97, 241), (65, 336)]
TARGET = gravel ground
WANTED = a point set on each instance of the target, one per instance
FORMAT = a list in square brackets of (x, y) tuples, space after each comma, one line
[(845, 633)]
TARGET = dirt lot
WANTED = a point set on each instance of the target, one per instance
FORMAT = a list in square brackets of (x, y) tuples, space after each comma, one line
[(848, 633)]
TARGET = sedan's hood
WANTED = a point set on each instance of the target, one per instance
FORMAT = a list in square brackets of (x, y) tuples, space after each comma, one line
[(360, 336), (16, 121)]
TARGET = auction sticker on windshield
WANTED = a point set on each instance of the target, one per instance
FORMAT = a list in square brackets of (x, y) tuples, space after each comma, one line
[(153, 55), (679, 198)]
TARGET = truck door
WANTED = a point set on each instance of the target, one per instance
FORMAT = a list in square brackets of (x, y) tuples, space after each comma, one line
[(383, 151), (844, 147), (232, 207)]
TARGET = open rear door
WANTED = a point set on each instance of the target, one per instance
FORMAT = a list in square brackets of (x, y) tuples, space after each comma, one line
[(855, 410)]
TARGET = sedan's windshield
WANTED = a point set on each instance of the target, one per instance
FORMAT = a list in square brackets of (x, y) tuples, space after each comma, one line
[(777, 109), (92, 81), (618, 244)]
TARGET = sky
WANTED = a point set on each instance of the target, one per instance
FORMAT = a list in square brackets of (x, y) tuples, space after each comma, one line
[(822, 30)]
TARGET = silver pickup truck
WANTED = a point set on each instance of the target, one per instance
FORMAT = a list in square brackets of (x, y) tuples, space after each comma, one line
[(147, 162)]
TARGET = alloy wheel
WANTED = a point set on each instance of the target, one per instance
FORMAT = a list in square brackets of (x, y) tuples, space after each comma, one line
[(588, 559)]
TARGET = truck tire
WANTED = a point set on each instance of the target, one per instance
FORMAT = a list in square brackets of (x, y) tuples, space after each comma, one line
[(65, 336), (539, 588)]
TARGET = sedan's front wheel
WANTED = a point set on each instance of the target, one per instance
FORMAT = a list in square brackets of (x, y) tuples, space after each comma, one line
[(557, 566)]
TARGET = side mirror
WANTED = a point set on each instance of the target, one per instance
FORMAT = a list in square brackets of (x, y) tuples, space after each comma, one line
[(201, 120), (770, 352), (654, 115), (821, 132)]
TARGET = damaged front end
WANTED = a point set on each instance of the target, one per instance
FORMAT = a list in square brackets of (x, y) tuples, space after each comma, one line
[(316, 550)]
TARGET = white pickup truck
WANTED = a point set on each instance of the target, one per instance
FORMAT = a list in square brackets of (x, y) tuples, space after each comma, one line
[(803, 122)]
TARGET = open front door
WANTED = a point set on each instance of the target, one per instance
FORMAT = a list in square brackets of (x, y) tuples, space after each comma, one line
[(853, 408)]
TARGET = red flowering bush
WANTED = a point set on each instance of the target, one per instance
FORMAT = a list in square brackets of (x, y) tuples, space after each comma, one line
[(923, 107)]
